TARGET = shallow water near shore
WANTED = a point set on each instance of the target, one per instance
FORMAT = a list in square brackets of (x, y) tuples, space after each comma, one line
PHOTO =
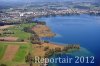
[(81, 29)]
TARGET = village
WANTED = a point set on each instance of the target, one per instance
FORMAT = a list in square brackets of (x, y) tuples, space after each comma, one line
[(15, 15), (52, 9)]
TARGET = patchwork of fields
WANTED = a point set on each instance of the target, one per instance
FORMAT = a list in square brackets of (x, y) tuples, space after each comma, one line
[(13, 53), (21, 52), (16, 31)]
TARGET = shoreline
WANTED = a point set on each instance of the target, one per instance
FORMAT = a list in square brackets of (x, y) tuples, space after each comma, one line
[(51, 46), (45, 49), (28, 19)]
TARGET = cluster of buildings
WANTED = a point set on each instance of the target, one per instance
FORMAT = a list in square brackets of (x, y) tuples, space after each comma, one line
[(13, 15)]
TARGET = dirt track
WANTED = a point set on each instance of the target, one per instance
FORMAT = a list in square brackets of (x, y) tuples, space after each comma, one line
[(6, 26)]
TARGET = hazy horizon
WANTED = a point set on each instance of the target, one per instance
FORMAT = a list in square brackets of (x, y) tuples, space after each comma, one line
[(48, 0)]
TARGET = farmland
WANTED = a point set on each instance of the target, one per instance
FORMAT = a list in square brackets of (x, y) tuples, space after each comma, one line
[(2, 50), (17, 54), (13, 53), (22, 51), (16, 31)]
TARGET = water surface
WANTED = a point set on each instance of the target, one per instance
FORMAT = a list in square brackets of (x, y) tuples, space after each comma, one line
[(83, 30)]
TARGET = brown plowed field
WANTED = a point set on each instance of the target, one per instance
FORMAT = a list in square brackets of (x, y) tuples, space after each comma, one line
[(10, 52)]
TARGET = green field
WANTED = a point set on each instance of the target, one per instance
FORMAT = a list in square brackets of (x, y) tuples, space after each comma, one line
[(20, 55), (20, 34), (18, 31), (19, 58), (2, 50)]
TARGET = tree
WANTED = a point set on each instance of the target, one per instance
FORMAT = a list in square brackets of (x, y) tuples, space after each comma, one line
[(57, 49), (0, 34), (65, 48), (49, 53), (3, 65), (29, 59), (45, 41), (20, 40), (46, 48)]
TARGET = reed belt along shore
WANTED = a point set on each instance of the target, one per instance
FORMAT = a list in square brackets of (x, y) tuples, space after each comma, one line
[(45, 49), (29, 36)]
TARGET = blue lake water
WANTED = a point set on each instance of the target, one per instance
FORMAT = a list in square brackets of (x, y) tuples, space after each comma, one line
[(81, 29)]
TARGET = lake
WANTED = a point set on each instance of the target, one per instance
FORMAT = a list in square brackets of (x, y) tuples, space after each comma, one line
[(79, 29)]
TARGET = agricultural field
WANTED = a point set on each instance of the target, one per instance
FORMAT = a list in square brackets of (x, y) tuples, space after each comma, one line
[(16, 31), (23, 50), (13, 53)]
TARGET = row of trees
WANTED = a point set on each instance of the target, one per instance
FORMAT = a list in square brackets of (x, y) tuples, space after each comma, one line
[(50, 52), (8, 32), (29, 59), (3, 65), (34, 38), (28, 30)]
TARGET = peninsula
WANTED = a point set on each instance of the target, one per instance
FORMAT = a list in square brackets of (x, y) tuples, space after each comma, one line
[(21, 43)]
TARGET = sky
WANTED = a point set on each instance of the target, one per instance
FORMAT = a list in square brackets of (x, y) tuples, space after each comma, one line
[(43, 0), (24, 1)]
